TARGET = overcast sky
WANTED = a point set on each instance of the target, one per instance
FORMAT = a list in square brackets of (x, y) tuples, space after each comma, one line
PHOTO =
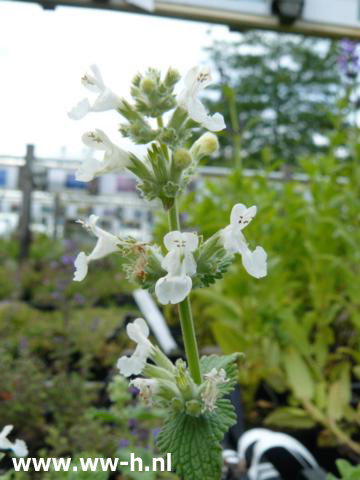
[(43, 54)]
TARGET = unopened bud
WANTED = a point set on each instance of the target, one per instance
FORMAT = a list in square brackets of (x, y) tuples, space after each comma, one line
[(193, 407), (177, 404), (172, 77), (182, 159), (147, 85), (206, 145)]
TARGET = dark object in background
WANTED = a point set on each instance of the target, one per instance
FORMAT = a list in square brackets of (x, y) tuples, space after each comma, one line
[(288, 11)]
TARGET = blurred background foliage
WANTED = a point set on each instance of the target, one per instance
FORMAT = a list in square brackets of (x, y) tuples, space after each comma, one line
[(290, 108)]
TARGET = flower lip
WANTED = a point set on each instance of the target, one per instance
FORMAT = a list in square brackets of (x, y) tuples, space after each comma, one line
[(241, 216), (138, 331), (195, 80)]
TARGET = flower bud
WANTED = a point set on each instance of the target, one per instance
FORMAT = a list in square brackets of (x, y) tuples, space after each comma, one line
[(193, 407), (177, 404), (147, 85), (182, 159), (204, 146)]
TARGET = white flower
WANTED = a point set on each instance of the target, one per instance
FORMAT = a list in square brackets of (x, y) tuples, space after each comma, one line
[(105, 100), (180, 265), (19, 447), (106, 244), (234, 241), (195, 80), (211, 391), (115, 158), (138, 331), (147, 387)]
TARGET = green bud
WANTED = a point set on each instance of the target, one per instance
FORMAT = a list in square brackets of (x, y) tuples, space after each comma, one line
[(152, 371), (162, 360), (205, 146), (147, 85), (177, 404), (172, 77), (193, 407), (168, 136), (182, 159), (183, 380), (170, 189)]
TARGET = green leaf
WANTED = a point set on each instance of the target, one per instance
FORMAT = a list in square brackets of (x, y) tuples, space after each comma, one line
[(291, 417), (298, 375), (194, 442), (339, 395), (228, 363)]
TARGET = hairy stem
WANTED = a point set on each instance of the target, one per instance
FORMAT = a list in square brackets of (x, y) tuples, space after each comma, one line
[(185, 314)]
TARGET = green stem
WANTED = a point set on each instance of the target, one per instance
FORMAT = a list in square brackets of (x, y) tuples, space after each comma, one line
[(185, 314), (342, 436)]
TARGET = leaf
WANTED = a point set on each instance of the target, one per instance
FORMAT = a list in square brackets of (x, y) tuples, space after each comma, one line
[(339, 395), (227, 362), (227, 336), (194, 442), (298, 374), (291, 417)]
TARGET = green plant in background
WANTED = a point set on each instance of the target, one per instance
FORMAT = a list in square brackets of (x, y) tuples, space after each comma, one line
[(192, 392), (274, 92), (346, 470), (299, 328)]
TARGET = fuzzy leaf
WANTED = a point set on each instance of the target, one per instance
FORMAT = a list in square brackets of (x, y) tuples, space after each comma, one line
[(194, 442), (299, 375), (228, 363), (290, 417)]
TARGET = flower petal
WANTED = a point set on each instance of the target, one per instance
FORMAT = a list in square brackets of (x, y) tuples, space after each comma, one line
[(80, 109), (81, 267), (241, 215), (20, 449), (106, 244), (107, 100), (173, 289), (172, 240), (97, 140), (187, 240), (255, 262), (199, 114), (138, 330), (171, 262), (189, 264), (88, 170), (133, 365)]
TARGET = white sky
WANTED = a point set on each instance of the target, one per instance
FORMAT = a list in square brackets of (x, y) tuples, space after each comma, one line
[(43, 54)]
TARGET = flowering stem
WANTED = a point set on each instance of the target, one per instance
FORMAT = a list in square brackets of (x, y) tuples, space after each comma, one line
[(185, 314)]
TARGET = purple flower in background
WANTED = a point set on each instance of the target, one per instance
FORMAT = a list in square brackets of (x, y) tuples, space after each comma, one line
[(123, 443), (67, 259), (155, 433), (79, 300), (348, 60), (133, 390), (348, 46), (132, 423)]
